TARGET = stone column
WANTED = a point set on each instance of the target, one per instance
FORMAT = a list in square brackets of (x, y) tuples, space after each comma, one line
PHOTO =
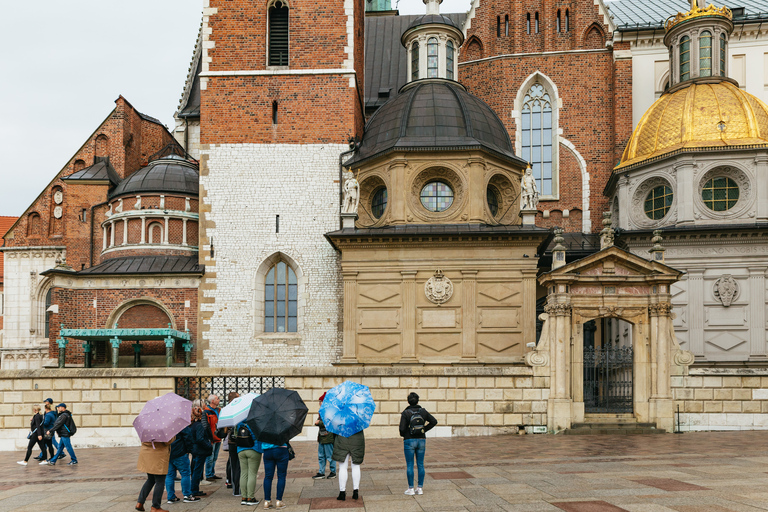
[(528, 312), (104, 244), (349, 348), (660, 403), (112, 233), (143, 229), (409, 317), (477, 190), (696, 311), (757, 313), (125, 231), (761, 173), (560, 406), (469, 316), (398, 192), (165, 231), (684, 191), (184, 239)]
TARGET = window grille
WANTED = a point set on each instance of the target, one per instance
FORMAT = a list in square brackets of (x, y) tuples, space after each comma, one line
[(685, 58), (432, 57), (379, 202), (537, 136), (449, 60), (705, 54), (281, 299), (278, 34), (720, 194), (657, 202), (199, 388), (722, 54), (415, 61)]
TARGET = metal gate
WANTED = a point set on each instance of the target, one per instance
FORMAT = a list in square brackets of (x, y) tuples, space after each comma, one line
[(608, 380), (200, 387)]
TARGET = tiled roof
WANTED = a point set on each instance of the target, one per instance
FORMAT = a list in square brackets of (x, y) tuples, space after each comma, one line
[(5, 225), (147, 265), (653, 13)]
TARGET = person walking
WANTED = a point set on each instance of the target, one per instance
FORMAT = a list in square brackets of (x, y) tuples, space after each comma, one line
[(275, 457), (49, 416), (200, 448), (249, 456), (35, 435), (233, 462), (154, 458), (66, 428), (179, 462), (212, 416), (324, 448), (415, 422), (344, 449)]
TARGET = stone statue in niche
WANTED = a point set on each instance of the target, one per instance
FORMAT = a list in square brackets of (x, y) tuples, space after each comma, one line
[(529, 194), (351, 196), (438, 288), (606, 235), (726, 289)]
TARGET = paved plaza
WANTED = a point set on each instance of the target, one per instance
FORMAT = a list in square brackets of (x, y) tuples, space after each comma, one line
[(691, 472)]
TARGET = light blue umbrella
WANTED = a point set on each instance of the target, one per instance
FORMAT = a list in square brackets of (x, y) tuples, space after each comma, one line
[(347, 408), (236, 410)]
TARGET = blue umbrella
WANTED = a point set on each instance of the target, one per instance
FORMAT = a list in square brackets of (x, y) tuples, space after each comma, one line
[(347, 408)]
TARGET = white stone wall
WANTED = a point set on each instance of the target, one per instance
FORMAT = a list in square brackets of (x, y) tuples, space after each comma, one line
[(24, 343), (246, 186), (187, 133)]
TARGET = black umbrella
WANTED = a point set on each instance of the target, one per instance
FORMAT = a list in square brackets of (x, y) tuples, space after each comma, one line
[(277, 416)]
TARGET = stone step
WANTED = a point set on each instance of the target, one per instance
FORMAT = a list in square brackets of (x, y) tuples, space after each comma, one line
[(611, 424), (607, 431), (626, 426)]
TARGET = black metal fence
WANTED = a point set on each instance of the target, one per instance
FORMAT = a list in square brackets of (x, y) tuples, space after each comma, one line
[(608, 380), (193, 388)]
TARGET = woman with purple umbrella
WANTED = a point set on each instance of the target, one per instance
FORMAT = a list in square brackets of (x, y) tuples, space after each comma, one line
[(153, 460)]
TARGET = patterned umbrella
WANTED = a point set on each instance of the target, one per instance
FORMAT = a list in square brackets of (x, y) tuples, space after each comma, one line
[(236, 411), (347, 408), (162, 418)]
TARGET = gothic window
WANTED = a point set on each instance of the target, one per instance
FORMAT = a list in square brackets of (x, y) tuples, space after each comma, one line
[(281, 295), (720, 194), (379, 202), (657, 202), (567, 21), (536, 124), (705, 54), (685, 58), (437, 196), (449, 60), (722, 54), (498, 26), (415, 61), (559, 28), (432, 57), (506, 25), (278, 34), (536, 25), (528, 23)]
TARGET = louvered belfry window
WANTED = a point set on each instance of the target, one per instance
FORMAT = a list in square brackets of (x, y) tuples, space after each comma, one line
[(278, 34)]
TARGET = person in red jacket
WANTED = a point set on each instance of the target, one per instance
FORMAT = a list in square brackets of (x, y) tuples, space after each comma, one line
[(212, 415)]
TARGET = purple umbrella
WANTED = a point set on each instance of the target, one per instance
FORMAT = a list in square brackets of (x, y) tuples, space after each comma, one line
[(162, 418)]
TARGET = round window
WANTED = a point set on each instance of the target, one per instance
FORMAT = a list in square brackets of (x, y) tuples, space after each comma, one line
[(492, 196), (436, 196), (720, 194), (379, 202), (657, 202)]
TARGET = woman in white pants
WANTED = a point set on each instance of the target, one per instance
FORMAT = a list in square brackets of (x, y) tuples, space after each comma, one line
[(344, 449)]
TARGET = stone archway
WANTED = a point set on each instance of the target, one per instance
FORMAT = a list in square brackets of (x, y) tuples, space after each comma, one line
[(611, 283)]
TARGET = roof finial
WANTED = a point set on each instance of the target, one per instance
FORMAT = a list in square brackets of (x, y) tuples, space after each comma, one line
[(433, 6)]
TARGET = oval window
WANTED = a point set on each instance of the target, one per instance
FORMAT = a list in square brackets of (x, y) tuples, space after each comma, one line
[(379, 202), (658, 201), (720, 194), (437, 196), (492, 196)]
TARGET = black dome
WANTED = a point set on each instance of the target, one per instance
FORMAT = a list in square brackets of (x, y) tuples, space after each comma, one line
[(168, 174), (434, 115), (428, 19)]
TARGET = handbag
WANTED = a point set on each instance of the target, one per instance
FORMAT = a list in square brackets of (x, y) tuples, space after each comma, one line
[(291, 453), (30, 434)]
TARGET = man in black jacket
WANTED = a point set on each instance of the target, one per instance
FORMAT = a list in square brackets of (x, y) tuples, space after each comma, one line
[(415, 422), (65, 427)]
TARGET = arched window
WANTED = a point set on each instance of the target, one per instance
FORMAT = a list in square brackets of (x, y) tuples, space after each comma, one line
[(278, 34), (506, 25), (155, 231), (449, 60), (558, 21), (498, 26), (102, 146), (536, 128), (432, 57), (536, 26), (415, 61), (722, 54), (567, 21), (528, 23), (705, 54), (33, 224), (281, 295), (685, 58), (79, 165), (274, 112)]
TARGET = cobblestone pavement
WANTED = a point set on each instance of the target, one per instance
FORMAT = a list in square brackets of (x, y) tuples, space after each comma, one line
[(692, 472)]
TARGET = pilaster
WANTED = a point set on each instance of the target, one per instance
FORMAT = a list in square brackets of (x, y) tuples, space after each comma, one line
[(761, 177), (757, 313), (684, 192), (696, 310), (409, 317), (349, 344), (469, 318)]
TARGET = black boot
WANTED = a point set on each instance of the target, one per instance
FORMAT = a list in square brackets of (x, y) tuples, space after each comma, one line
[(342, 495), (354, 494)]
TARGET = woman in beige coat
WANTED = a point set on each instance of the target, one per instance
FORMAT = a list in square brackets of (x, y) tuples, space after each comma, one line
[(153, 460)]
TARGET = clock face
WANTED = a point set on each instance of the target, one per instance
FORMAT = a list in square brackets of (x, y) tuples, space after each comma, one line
[(58, 197)]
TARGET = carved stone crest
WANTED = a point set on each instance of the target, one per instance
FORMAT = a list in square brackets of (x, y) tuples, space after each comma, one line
[(726, 289), (438, 288), (58, 197)]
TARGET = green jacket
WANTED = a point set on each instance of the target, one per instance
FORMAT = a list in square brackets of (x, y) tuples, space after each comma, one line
[(353, 445), (323, 436)]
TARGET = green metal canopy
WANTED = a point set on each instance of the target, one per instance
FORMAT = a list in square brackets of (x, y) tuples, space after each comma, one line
[(124, 334)]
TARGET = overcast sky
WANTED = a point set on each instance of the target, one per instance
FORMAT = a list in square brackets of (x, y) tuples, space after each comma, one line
[(64, 64)]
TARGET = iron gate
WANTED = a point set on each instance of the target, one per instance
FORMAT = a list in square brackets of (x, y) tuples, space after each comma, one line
[(193, 388), (608, 380)]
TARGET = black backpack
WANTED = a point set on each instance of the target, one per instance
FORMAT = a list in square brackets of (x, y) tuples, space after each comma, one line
[(416, 423), (244, 439), (70, 425)]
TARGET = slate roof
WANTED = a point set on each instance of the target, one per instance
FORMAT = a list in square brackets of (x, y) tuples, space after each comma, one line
[(100, 171), (171, 173), (5, 225), (652, 13), (385, 58), (147, 265), (192, 107)]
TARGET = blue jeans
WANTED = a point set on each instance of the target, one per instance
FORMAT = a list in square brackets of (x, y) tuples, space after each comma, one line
[(324, 453), (182, 465), (415, 447), (65, 443), (198, 464), (210, 462), (275, 458)]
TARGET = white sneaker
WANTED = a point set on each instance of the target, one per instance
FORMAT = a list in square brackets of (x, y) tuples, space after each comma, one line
[(419, 491), (409, 491), (44, 463), (22, 463), (205, 482)]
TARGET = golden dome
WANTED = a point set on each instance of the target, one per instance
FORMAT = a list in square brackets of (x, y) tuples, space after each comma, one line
[(698, 116)]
